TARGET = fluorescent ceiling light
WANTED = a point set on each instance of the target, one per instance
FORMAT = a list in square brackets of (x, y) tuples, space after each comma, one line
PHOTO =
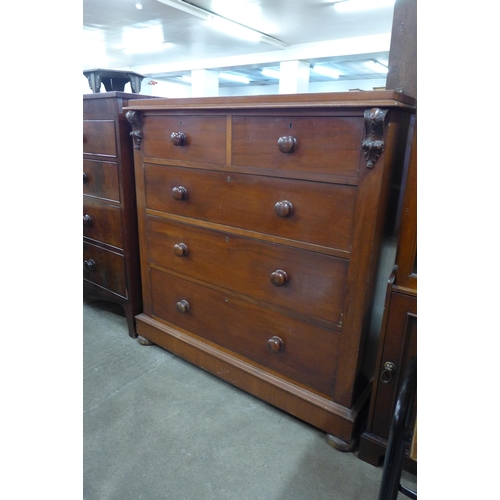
[(326, 71), (357, 5), (237, 29), (234, 78), (271, 73), (142, 38)]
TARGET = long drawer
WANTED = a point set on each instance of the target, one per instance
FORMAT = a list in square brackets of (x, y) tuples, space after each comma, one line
[(313, 212), (303, 282), (104, 268), (103, 223), (293, 348), (320, 145), (100, 179)]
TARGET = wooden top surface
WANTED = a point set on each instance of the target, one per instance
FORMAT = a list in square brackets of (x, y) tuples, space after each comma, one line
[(115, 93), (382, 98)]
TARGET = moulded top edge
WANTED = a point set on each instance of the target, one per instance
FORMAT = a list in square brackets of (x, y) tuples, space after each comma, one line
[(117, 93), (384, 98)]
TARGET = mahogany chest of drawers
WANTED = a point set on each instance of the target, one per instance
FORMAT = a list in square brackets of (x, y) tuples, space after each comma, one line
[(260, 224), (110, 246)]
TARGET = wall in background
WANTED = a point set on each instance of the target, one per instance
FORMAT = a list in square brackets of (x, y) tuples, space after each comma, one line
[(173, 90)]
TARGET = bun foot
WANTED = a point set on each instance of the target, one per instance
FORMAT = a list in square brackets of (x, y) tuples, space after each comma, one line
[(340, 444), (144, 341)]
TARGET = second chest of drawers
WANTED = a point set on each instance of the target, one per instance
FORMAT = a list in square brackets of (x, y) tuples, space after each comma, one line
[(110, 241)]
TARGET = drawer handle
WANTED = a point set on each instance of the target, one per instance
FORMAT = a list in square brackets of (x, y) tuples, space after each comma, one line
[(387, 374), (275, 344), (279, 277), (178, 138), (85, 178), (182, 306), (287, 144), (89, 265), (283, 208), (180, 250), (87, 220), (180, 193)]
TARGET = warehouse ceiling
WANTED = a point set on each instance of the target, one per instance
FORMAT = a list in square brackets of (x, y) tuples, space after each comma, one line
[(166, 39)]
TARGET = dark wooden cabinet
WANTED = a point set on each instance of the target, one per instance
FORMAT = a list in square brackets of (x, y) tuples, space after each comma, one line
[(260, 227), (398, 341), (111, 268)]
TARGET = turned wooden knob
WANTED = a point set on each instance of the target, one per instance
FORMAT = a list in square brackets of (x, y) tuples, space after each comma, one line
[(287, 144), (85, 178), (178, 138), (89, 265), (275, 344), (87, 220), (180, 250), (283, 208), (180, 193), (182, 306), (279, 277)]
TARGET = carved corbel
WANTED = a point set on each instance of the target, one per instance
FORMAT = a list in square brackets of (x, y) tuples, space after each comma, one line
[(94, 82), (373, 145), (134, 119)]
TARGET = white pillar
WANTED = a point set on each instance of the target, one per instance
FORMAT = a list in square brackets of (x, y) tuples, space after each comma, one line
[(294, 77), (204, 83)]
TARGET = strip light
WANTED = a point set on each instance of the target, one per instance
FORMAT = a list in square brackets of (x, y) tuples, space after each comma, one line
[(211, 16), (326, 71), (271, 73)]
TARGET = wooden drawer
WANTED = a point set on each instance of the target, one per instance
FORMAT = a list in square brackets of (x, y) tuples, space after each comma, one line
[(104, 268), (102, 223), (205, 138), (100, 179), (322, 213), (307, 355), (313, 286), (99, 137), (324, 145)]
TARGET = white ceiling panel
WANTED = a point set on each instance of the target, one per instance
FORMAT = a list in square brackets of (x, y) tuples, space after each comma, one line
[(161, 41)]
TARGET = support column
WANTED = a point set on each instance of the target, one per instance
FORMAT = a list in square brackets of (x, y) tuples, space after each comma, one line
[(294, 77), (204, 83)]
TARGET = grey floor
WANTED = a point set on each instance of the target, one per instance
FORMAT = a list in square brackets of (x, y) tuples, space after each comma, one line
[(156, 427)]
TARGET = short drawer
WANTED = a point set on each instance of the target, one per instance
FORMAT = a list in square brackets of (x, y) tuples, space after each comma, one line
[(185, 138), (307, 283), (304, 353), (316, 145), (102, 223), (100, 179), (99, 137), (312, 212), (104, 268)]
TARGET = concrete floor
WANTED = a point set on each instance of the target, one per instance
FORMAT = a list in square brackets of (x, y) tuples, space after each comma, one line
[(157, 427)]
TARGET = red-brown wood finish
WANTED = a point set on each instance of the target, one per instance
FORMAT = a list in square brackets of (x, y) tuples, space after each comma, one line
[(398, 340), (111, 269), (259, 256)]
